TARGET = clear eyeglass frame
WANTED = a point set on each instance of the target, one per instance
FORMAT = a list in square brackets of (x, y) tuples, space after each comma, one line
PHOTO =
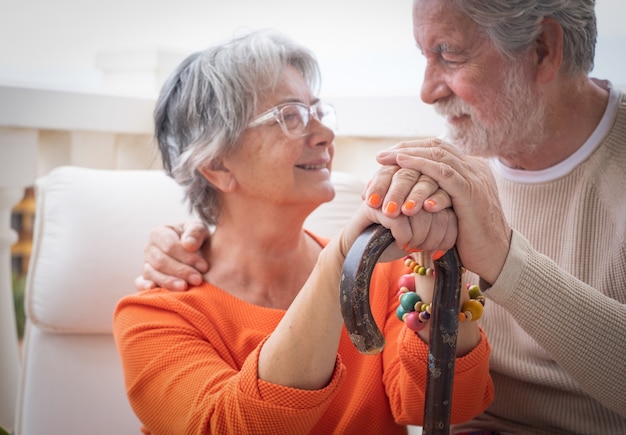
[(294, 118)]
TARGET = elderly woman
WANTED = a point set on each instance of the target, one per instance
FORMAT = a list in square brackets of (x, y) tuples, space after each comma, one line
[(259, 346)]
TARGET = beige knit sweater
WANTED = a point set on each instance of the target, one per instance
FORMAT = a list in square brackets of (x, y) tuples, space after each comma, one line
[(556, 316)]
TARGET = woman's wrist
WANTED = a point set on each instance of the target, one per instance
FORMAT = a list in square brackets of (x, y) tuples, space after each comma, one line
[(416, 312)]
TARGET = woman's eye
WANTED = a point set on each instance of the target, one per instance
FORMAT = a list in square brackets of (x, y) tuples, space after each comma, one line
[(290, 116)]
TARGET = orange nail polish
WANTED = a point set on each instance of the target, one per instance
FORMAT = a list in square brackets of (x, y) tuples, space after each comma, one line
[(373, 200), (437, 255), (431, 202), (391, 207), (409, 205), (412, 250)]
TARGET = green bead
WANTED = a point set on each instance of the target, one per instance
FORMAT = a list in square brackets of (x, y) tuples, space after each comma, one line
[(474, 292), (400, 312), (408, 301)]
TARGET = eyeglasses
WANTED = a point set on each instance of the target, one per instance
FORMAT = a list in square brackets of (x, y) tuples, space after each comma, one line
[(294, 118)]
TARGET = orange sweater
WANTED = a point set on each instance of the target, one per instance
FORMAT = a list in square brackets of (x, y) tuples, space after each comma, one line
[(190, 364)]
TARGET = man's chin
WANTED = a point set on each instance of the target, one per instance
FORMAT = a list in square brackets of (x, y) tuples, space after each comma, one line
[(467, 144), (457, 139)]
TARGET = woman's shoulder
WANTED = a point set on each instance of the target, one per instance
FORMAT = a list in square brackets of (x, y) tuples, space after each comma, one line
[(205, 301), (193, 299)]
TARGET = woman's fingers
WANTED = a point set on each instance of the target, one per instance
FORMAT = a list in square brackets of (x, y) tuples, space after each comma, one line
[(403, 190), (379, 184), (438, 201), (423, 231), (425, 194), (442, 231)]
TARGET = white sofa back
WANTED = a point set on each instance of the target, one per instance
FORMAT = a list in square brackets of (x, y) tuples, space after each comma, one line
[(90, 230)]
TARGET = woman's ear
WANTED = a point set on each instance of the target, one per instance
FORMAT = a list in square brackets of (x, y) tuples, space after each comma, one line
[(548, 54), (219, 176)]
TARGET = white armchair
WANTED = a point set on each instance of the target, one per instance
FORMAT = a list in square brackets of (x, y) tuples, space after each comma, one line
[(90, 229)]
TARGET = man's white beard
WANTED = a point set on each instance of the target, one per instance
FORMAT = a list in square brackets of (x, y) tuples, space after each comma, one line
[(516, 121)]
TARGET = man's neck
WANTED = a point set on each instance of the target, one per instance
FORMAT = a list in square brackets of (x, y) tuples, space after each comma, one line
[(573, 113)]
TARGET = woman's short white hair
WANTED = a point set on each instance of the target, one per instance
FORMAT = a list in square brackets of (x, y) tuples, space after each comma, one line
[(207, 102)]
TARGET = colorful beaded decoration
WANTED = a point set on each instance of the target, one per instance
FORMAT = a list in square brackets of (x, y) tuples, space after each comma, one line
[(415, 313)]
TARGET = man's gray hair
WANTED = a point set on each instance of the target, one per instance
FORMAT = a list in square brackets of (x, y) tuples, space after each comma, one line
[(207, 102), (513, 25)]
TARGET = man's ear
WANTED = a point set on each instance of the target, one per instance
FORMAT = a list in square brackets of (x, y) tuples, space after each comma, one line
[(548, 50), (219, 176)]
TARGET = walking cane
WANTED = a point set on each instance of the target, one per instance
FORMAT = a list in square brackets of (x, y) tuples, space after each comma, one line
[(366, 336)]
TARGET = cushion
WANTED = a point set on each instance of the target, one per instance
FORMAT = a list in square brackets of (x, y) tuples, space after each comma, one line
[(91, 227)]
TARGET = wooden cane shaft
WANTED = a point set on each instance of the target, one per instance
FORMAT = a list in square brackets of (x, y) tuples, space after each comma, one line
[(368, 339), (444, 325)]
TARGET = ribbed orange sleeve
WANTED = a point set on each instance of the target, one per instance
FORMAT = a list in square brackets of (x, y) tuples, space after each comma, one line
[(190, 364)]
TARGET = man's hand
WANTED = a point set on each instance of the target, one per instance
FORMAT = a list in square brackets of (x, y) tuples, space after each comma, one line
[(172, 257), (483, 233)]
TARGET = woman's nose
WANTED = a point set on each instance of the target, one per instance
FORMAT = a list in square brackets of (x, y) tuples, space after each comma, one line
[(322, 133)]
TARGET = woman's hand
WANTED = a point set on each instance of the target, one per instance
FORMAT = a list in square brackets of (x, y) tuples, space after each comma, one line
[(423, 231), (395, 190), (407, 191), (172, 257)]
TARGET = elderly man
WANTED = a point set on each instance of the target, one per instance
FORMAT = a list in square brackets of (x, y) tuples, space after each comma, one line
[(545, 228), (511, 80)]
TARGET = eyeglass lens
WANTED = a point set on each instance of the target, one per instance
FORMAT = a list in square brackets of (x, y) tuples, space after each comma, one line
[(296, 117)]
